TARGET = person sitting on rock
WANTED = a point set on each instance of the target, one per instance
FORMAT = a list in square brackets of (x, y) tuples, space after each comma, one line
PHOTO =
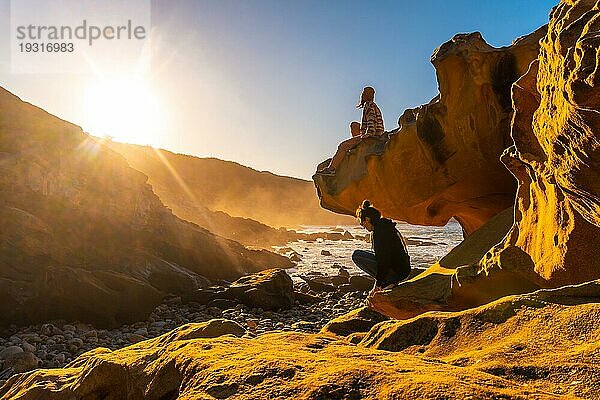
[(389, 262), (371, 126)]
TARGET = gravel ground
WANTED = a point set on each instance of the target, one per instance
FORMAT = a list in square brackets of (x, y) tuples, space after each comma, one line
[(54, 344)]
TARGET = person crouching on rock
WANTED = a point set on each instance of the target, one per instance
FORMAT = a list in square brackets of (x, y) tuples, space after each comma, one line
[(389, 262), (371, 126)]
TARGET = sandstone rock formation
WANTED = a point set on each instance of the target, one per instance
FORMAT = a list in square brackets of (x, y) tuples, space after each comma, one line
[(556, 159), (437, 288), (184, 364), (84, 237), (499, 350), (191, 185), (443, 160), (546, 339)]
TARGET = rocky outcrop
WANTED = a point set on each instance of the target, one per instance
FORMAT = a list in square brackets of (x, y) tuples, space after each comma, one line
[(443, 160), (270, 290), (556, 160), (499, 350), (83, 235), (356, 321), (511, 338), (187, 363), (556, 157), (194, 187)]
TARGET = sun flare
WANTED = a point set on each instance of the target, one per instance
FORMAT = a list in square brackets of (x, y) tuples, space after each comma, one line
[(125, 109)]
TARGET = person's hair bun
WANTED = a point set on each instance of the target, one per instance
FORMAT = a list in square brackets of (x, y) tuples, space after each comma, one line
[(365, 204)]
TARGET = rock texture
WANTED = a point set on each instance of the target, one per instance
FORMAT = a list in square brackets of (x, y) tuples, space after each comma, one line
[(83, 235), (359, 320), (187, 363), (443, 160), (56, 343), (511, 338), (556, 157), (496, 351)]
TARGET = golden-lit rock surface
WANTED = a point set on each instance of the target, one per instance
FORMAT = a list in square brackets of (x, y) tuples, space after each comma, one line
[(443, 160), (556, 157), (359, 320), (84, 236), (546, 339), (537, 346), (206, 185)]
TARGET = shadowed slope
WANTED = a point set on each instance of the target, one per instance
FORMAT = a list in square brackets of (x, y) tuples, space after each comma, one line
[(84, 237), (217, 185)]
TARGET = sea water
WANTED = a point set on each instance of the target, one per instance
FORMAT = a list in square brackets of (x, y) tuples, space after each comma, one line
[(427, 244)]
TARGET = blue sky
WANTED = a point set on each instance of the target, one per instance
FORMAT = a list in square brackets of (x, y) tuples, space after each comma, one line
[(273, 84)]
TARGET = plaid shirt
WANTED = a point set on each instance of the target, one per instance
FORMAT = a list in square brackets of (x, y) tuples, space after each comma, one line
[(372, 121)]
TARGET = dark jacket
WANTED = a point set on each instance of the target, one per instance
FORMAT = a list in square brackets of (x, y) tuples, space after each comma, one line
[(393, 261)]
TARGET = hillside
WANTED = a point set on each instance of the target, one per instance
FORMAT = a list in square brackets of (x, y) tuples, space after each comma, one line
[(84, 236), (189, 185)]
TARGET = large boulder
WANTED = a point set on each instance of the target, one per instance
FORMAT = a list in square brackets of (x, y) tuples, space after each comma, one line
[(84, 236), (443, 160), (270, 290)]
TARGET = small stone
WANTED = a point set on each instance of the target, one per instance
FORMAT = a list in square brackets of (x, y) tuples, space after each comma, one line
[(134, 338), (252, 324), (158, 324), (76, 342), (10, 351), (22, 362), (295, 257), (42, 355), (141, 331), (362, 283), (28, 347)]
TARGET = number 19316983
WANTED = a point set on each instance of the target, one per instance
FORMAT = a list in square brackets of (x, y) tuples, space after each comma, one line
[(46, 47)]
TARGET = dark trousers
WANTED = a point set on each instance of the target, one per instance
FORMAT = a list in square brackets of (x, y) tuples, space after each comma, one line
[(366, 261)]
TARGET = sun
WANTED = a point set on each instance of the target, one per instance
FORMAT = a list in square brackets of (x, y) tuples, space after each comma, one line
[(127, 109)]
